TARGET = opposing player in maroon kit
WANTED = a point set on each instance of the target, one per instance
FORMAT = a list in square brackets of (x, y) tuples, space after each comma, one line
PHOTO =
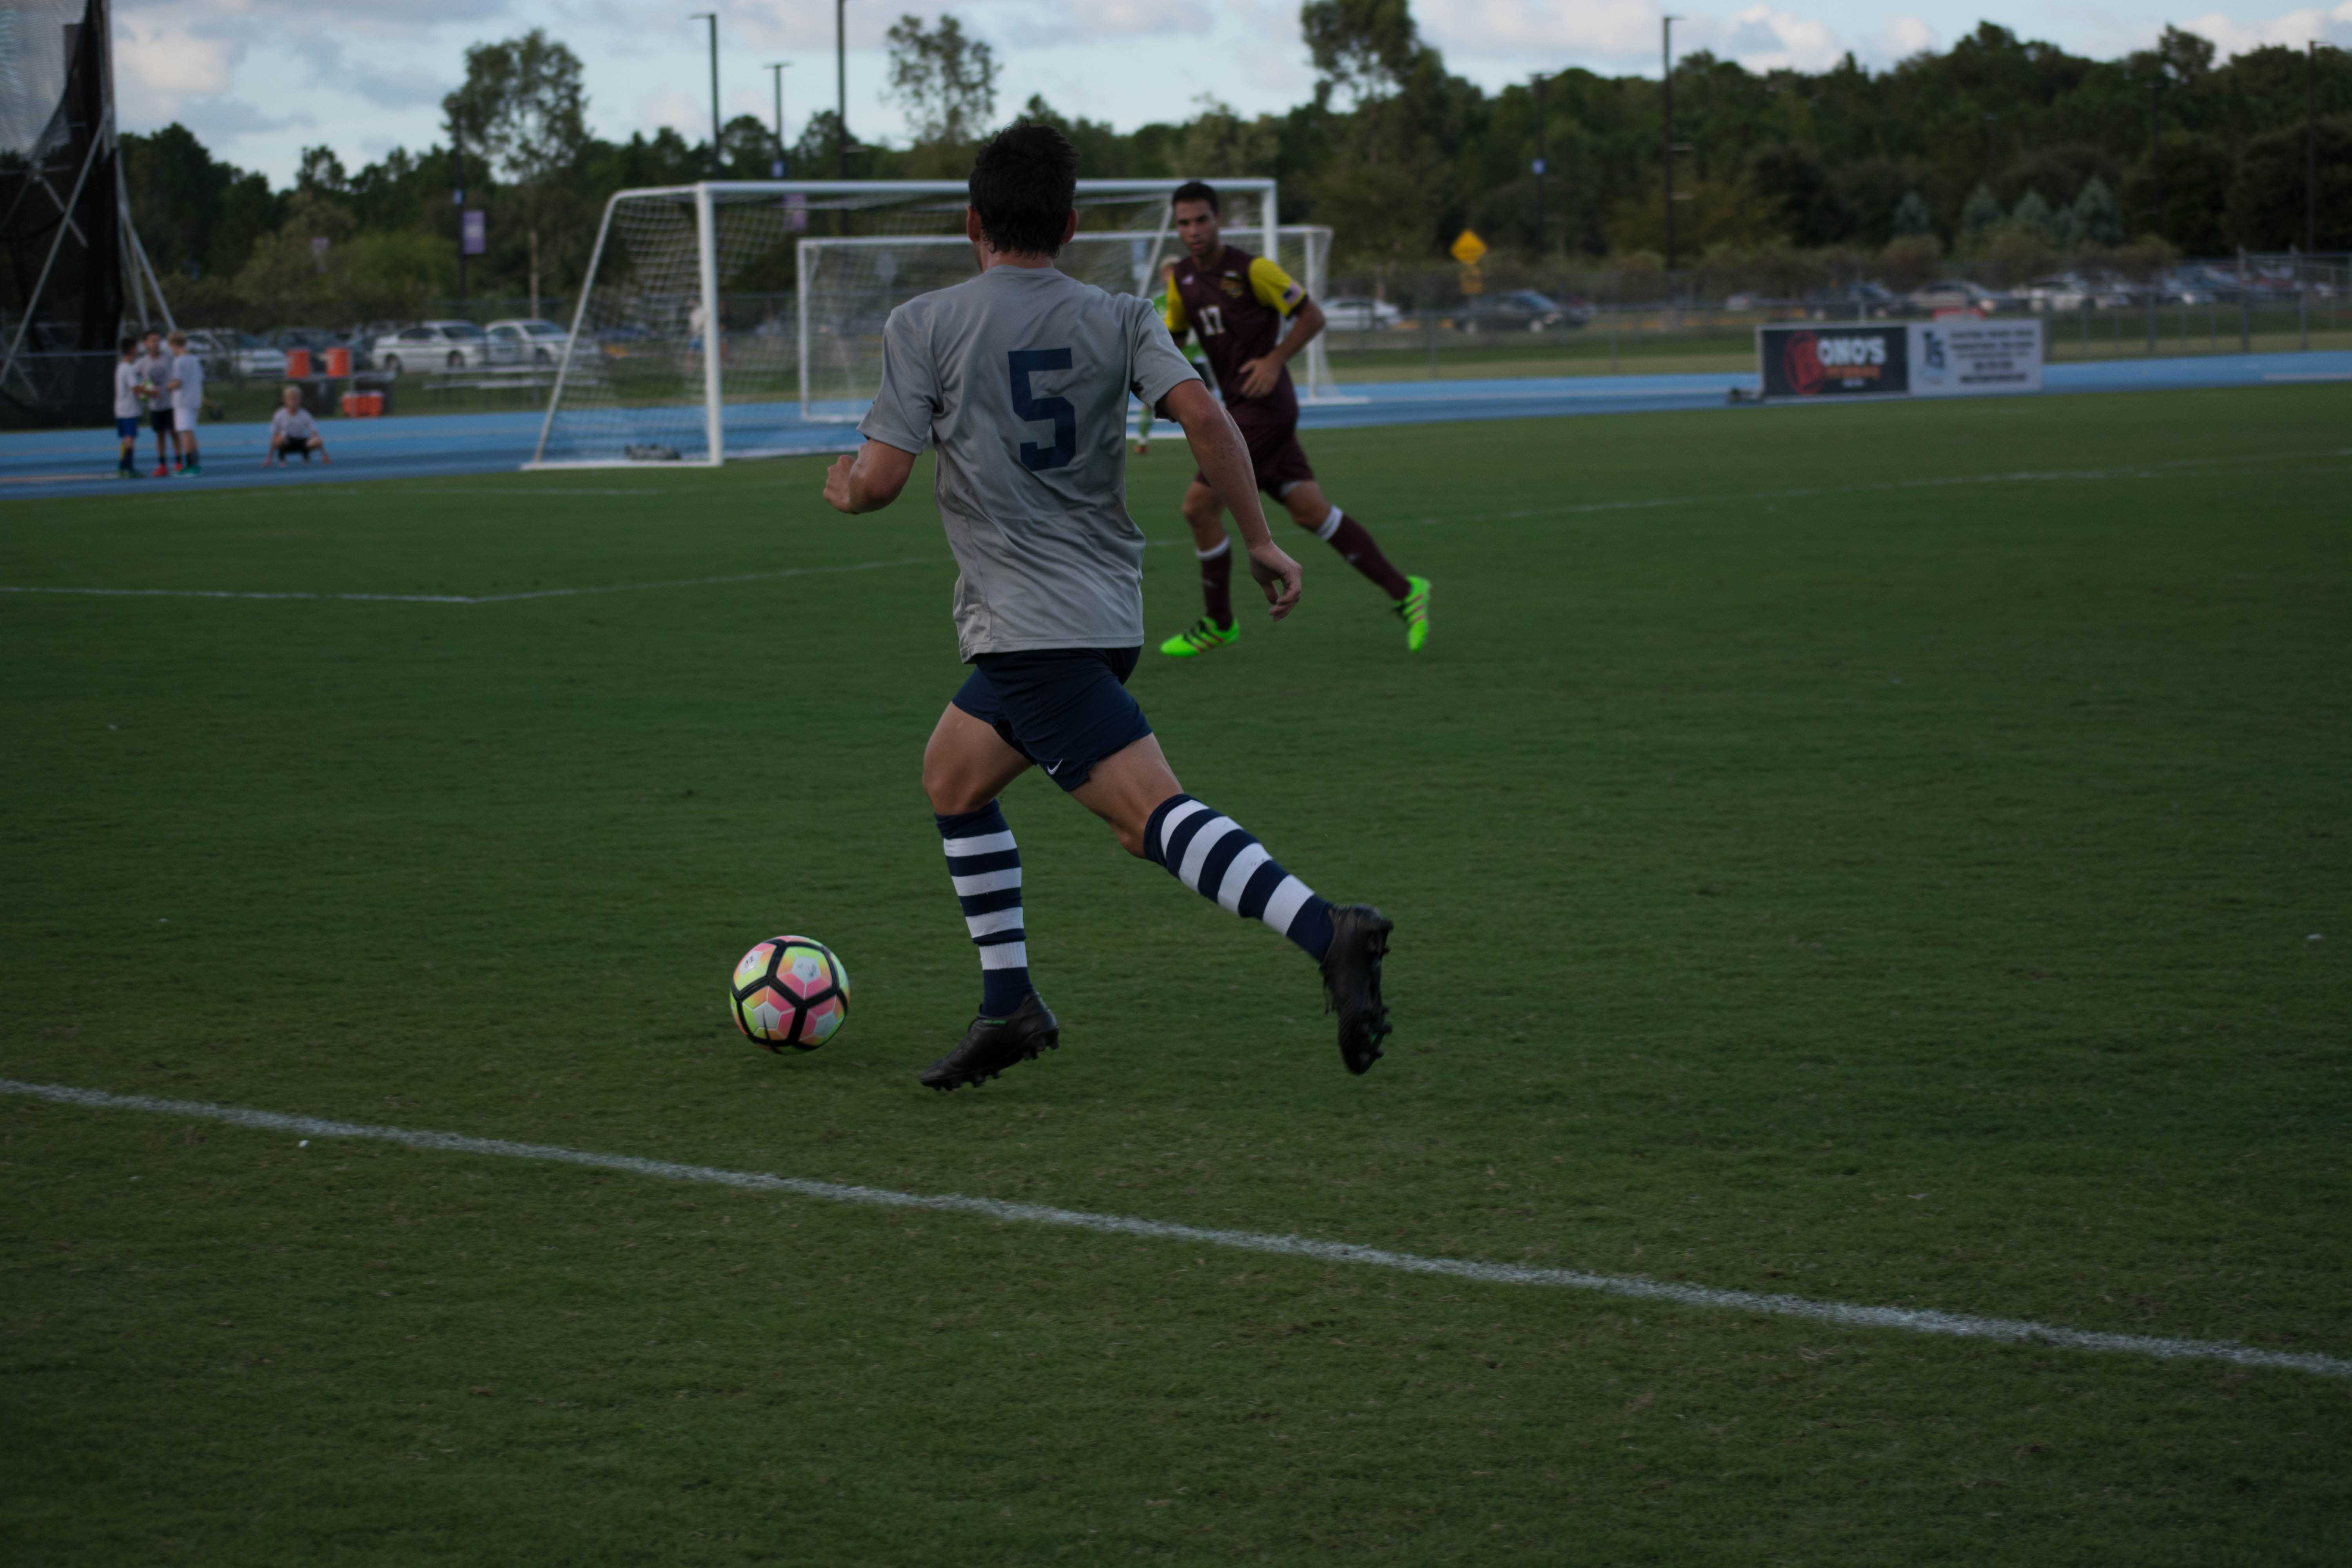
[(1236, 303)]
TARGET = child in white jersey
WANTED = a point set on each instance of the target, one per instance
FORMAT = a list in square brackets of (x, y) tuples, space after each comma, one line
[(293, 431), (156, 375), (129, 402), (188, 399)]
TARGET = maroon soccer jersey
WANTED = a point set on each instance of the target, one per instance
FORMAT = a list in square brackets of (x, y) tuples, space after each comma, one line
[(1236, 309)]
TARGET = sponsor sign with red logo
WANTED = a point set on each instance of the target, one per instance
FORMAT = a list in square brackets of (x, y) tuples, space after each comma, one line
[(1804, 360)]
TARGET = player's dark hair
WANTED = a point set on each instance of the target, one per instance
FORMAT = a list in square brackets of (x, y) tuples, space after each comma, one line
[(1023, 185), (1198, 191), (130, 345)]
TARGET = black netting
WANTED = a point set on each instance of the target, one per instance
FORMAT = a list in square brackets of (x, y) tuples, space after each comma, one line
[(60, 234)]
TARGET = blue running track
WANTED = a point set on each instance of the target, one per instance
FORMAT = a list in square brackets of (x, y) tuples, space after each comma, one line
[(45, 464)]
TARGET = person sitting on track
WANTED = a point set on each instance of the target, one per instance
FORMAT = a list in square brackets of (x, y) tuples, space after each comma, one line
[(293, 431)]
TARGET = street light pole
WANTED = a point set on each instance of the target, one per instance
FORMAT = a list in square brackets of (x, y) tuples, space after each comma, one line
[(2311, 147), (1667, 53), (777, 69), (712, 18), (841, 88), (1543, 239)]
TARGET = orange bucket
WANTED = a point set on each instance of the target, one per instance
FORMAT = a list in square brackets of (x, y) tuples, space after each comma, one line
[(339, 362), (297, 363)]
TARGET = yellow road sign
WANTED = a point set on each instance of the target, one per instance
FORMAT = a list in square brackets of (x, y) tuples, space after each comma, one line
[(1469, 247)]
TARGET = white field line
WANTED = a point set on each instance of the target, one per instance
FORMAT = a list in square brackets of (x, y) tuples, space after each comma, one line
[(2187, 468), (1844, 1314), (483, 599)]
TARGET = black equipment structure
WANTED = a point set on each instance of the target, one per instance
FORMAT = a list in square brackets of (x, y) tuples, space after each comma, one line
[(75, 275)]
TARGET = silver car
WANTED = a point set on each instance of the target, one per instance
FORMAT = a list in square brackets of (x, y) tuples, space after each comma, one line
[(227, 354), (1354, 313), (433, 346), (526, 341)]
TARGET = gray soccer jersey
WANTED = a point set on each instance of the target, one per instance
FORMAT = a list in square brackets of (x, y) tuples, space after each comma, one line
[(1020, 377)]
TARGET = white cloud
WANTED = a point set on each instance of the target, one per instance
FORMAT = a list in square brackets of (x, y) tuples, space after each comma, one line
[(1625, 34), (2294, 29), (170, 64), (1764, 40), (1899, 41), (1610, 30)]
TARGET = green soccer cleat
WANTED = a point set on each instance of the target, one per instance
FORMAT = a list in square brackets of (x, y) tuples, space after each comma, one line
[(1414, 611), (1200, 636)]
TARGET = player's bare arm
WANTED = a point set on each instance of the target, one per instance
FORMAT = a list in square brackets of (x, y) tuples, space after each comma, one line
[(1262, 374), (870, 480), (1223, 458)]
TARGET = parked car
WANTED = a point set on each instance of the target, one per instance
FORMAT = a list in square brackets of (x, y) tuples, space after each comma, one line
[(526, 341), (1956, 294), (1356, 313), (1851, 302), (1521, 309), (433, 346), (227, 353), (2194, 285), (2078, 291)]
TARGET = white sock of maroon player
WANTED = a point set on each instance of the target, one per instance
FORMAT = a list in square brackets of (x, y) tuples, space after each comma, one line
[(1354, 543)]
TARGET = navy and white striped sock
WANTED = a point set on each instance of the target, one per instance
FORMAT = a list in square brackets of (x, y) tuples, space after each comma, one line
[(985, 867), (1210, 853)]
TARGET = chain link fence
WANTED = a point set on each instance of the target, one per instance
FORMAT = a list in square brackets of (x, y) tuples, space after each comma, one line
[(1521, 320), (1517, 320)]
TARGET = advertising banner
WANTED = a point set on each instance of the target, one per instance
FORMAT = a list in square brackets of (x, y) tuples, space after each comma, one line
[(1962, 356), (1860, 360)]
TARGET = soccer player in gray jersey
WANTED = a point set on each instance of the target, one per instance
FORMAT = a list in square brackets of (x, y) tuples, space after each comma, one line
[(1019, 377)]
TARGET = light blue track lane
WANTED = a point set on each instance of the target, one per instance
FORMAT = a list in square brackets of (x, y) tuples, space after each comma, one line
[(43, 464)]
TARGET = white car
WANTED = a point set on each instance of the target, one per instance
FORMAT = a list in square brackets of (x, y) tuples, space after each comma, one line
[(227, 354), (2076, 290), (433, 346), (526, 341), (1957, 294), (1352, 313)]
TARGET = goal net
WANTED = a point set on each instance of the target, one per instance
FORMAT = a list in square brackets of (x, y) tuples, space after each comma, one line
[(735, 320), (849, 286)]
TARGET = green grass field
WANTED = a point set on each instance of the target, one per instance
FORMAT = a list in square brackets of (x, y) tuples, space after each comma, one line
[(1895, 855)]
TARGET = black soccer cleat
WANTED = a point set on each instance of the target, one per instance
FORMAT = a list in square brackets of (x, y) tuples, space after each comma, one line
[(991, 1045), (1351, 982)]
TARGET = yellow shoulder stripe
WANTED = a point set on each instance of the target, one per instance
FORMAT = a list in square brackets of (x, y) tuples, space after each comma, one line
[(1273, 286)]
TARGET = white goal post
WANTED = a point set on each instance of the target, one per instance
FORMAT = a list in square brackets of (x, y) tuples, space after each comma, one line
[(726, 319)]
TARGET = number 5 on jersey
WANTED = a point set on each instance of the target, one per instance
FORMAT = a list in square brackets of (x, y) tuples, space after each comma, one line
[(1025, 362)]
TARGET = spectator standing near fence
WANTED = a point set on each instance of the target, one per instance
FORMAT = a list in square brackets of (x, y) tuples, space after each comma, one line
[(155, 374), (187, 400), (293, 431), (129, 403)]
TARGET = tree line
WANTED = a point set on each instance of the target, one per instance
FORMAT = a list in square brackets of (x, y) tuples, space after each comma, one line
[(1998, 149)]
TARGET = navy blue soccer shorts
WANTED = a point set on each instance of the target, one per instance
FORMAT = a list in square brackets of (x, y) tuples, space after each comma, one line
[(1065, 709)]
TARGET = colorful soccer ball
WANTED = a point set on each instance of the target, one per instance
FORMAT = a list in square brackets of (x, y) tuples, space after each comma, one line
[(790, 991)]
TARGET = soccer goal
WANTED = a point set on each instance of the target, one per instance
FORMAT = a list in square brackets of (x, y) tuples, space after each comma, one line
[(744, 319)]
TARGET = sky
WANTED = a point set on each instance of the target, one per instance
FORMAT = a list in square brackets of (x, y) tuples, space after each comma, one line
[(258, 80)]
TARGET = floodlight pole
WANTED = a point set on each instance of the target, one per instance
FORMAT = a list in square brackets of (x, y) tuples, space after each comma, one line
[(2310, 150), (841, 89), (777, 70), (1666, 55), (1542, 239), (717, 166)]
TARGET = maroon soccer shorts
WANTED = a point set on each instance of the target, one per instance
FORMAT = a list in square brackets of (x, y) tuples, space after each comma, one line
[(1276, 459)]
